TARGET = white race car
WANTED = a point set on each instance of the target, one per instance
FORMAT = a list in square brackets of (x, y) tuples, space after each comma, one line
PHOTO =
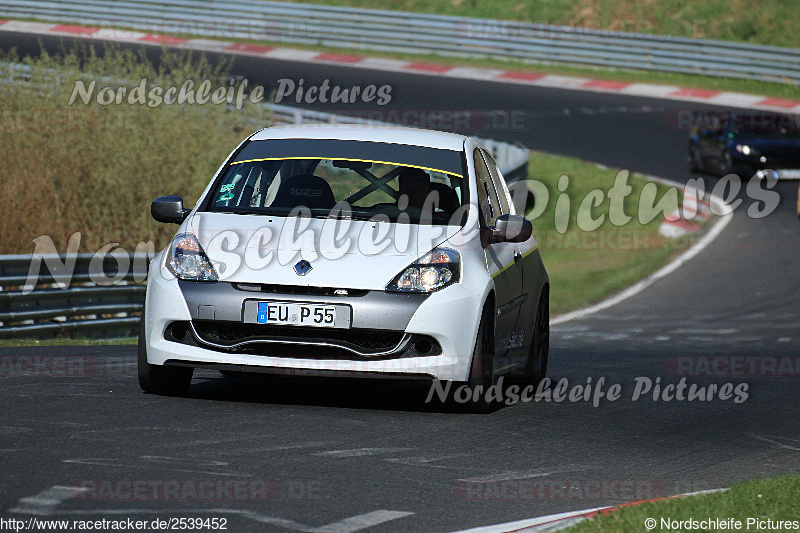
[(355, 251)]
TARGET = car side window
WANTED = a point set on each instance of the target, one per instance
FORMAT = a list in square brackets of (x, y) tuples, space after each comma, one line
[(497, 183), (487, 198)]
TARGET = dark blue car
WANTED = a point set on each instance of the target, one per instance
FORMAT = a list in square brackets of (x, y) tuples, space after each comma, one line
[(744, 143)]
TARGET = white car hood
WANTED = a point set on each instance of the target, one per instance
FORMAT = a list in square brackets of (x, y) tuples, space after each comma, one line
[(264, 249)]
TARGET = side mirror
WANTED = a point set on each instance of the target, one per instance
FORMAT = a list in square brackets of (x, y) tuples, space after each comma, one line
[(512, 228), (169, 209)]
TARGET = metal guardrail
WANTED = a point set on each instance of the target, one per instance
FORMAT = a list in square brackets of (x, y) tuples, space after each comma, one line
[(416, 33), (56, 298)]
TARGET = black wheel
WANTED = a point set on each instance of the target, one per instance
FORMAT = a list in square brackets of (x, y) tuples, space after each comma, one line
[(164, 380), (482, 367), (536, 369), (695, 161), (725, 163)]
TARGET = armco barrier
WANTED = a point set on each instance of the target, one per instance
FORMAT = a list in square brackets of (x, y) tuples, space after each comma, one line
[(415, 33), (95, 296)]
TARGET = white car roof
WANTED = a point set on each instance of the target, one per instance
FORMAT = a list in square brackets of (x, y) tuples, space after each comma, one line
[(372, 133)]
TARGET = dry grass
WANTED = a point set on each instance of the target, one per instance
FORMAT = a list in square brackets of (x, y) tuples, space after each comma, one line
[(95, 169)]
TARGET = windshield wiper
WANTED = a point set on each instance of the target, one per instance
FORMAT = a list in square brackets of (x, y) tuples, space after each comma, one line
[(237, 211), (344, 215)]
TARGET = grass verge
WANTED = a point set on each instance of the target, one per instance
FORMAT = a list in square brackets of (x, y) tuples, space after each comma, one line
[(776, 499), (64, 341), (773, 23), (586, 267)]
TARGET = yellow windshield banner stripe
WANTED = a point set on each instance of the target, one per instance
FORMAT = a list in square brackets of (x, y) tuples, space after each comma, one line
[(346, 159)]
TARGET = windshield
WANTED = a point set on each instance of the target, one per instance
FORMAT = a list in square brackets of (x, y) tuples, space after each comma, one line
[(762, 126), (767, 134), (392, 186)]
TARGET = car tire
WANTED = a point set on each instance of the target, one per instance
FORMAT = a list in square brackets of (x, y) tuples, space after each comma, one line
[(725, 163), (536, 368), (482, 366), (156, 379), (695, 161)]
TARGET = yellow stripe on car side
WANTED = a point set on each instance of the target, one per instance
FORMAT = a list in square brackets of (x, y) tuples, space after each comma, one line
[(512, 263)]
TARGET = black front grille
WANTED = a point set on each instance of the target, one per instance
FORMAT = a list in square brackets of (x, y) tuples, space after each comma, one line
[(304, 290), (365, 341), (224, 336)]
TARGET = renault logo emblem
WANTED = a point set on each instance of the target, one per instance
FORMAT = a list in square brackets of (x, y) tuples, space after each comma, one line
[(302, 268)]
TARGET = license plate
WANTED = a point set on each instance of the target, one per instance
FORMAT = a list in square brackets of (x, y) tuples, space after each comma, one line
[(297, 314)]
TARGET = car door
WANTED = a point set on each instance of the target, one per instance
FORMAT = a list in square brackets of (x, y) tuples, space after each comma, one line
[(519, 306), (499, 260), (522, 305)]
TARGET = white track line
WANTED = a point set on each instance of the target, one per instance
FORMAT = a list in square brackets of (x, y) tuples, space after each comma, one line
[(560, 521)]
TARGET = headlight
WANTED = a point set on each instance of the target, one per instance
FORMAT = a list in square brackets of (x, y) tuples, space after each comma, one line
[(188, 261), (436, 270), (746, 149)]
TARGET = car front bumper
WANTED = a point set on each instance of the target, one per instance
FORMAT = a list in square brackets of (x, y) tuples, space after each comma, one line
[(450, 317)]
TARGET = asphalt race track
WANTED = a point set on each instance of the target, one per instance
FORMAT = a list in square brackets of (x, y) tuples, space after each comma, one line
[(345, 455)]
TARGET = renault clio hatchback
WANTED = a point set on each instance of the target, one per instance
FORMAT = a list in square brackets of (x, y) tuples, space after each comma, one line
[(347, 251)]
